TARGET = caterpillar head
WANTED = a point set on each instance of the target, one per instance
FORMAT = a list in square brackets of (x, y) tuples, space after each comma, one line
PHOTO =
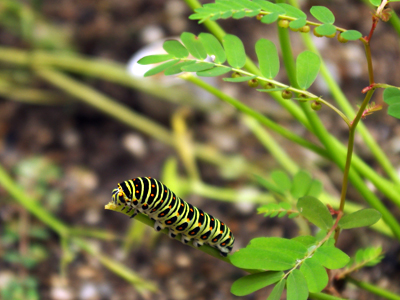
[(119, 196)]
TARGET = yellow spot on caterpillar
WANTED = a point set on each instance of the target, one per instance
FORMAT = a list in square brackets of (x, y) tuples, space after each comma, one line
[(214, 240), (169, 222), (199, 224), (174, 198), (162, 214), (229, 236), (180, 228), (177, 214), (145, 204), (223, 244), (191, 209), (154, 209), (182, 204), (222, 224), (137, 192), (162, 201), (120, 194), (220, 231), (212, 219), (136, 185), (165, 191), (170, 206), (152, 185), (192, 233), (204, 236), (202, 214), (152, 195), (188, 219), (211, 228)]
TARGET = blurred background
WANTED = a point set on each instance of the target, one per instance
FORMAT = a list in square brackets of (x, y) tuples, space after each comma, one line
[(76, 118)]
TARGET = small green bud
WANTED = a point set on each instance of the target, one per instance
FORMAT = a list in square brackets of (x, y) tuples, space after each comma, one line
[(294, 29), (331, 36), (305, 29), (316, 33), (303, 96), (259, 17), (253, 83), (283, 23), (315, 105), (341, 39), (269, 85), (286, 94), (236, 75)]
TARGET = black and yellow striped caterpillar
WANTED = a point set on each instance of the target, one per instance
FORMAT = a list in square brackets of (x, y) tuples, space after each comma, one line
[(152, 198)]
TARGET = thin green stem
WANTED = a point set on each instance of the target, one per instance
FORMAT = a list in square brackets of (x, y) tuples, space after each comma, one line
[(259, 117), (373, 289)]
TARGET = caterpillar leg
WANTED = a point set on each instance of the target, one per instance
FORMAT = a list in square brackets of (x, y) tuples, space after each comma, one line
[(197, 243), (185, 239), (171, 234), (158, 226), (134, 213)]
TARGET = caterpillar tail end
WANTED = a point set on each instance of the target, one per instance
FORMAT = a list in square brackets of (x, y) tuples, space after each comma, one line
[(111, 206)]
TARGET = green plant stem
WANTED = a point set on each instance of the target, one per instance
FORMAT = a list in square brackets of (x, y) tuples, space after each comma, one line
[(121, 270), (94, 233), (104, 104), (373, 289), (116, 73), (271, 145), (345, 105), (61, 229), (328, 141), (256, 115)]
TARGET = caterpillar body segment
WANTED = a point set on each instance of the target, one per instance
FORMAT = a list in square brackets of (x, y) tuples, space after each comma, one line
[(152, 198)]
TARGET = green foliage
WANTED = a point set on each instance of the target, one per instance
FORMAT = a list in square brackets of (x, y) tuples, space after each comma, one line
[(331, 257), (351, 35), (160, 68), (277, 290), (268, 58), (194, 45), (18, 289), (375, 2), (391, 96), (277, 209), (325, 29), (251, 283), (307, 68), (239, 79), (315, 211), (175, 48), (234, 49), (361, 218), (155, 59), (297, 286), (213, 47), (322, 14), (367, 257), (315, 274)]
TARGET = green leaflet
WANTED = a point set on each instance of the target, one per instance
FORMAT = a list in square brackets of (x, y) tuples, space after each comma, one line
[(301, 184), (268, 58), (175, 48), (307, 68), (315, 211), (351, 35), (213, 47), (331, 257), (216, 71), (297, 286), (194, 45), (326, 29), (200, 66), (234, 50), (282, 180), (315, 275), (154, 59), (277, 290), (160, 68), (322, 14), (361, 218), (251, 283), (175, 69)]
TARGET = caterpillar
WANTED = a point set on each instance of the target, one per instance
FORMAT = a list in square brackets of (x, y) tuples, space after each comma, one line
[(152, 198)]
